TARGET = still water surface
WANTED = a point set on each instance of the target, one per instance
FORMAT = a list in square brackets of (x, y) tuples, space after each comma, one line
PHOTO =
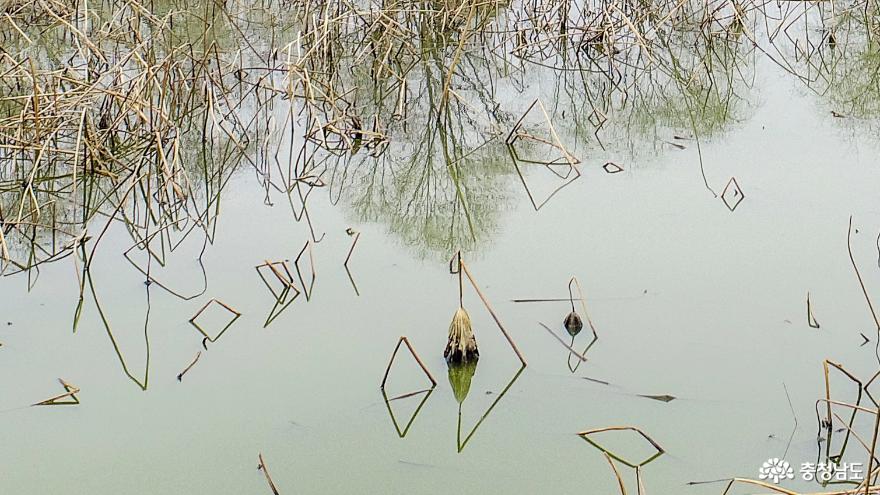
[(689, 299)]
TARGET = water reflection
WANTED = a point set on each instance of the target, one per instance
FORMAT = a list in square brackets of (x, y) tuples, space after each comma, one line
[(425, 395), (281, 274), (573, 361), (460, 378), (410, 139)]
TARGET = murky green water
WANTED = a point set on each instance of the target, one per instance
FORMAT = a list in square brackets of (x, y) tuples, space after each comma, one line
[(689, 299)]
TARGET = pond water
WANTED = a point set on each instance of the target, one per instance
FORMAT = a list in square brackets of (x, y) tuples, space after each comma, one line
[(690, 300)]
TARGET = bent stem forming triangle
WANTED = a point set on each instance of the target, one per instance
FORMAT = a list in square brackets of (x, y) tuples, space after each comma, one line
[(70, 394), (225, 306), (658, 449), (404, 340)]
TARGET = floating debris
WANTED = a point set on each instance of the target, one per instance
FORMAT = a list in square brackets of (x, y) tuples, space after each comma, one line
[(811, 320), (612, 168), (416, 464), (660, 398), (193, 363), (595, 380), (59, 400)]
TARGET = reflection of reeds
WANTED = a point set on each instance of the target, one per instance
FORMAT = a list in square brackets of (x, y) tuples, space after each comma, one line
[(548, 139), (356, 237), (467, 438), (402, 433), (176, 112), (307, 287), (133, 118), (280, 271)]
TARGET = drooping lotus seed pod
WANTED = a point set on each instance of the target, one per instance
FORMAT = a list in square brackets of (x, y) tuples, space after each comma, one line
[(573, 324), (462, 346)]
